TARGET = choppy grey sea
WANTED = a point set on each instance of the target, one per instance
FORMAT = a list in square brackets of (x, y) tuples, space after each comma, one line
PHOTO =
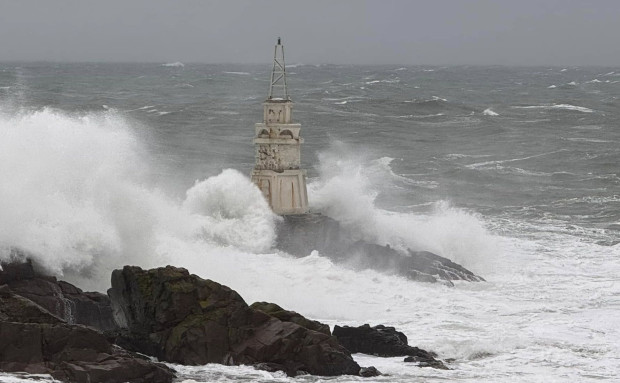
[(512, 172)]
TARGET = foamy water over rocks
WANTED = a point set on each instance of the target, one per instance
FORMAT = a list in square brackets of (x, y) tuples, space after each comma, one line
[(102, 171)]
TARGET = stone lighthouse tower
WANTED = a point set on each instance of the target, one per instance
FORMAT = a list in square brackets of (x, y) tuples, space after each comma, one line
[(277, 141)]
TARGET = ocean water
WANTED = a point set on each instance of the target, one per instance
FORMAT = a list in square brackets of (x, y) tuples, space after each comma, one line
[(512, 172)]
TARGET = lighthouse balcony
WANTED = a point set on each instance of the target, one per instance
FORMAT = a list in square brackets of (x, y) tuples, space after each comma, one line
[(291, 131)]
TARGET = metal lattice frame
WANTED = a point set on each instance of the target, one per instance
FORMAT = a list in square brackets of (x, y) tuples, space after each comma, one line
[(278, 73)]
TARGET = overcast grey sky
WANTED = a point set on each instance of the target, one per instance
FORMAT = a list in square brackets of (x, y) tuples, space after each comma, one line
[(511, 32)]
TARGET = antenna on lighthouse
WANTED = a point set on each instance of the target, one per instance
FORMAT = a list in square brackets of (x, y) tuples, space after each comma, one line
[(277, 87)]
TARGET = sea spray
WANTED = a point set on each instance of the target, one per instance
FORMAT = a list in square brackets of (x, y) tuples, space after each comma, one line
[(232, 211), (348, 184), (60, 174), (75, 198)]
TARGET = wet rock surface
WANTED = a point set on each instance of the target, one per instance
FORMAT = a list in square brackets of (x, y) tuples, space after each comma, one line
[(181, 318), (58, 297), (301, 234), (383, 341), (37, 341), (290, 316), (369, 372)]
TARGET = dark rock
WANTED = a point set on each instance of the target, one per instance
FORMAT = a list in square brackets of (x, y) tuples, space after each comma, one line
[(301, 234), (422, 362), (369, 372), (15, 308), (181, 318), (417, 265), (290, 316), (381, 341), (16, 271), (58, 297), (36, 341)]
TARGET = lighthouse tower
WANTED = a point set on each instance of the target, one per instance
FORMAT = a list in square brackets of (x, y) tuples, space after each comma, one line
[(277, 141)]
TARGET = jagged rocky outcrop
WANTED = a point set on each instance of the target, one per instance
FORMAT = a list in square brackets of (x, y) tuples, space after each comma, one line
[(301, 234), (36, 341), (179, 317), (383, 341), (291, 316), (58, 297)]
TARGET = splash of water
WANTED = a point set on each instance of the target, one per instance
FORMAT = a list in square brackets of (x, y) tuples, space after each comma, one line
[(75, 197), (348, 186)]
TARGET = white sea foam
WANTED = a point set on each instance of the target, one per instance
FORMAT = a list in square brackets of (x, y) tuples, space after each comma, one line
[(348, 99), (428, 115), (74, 194), (489, 112), (346, 191), (20, 377), (176, 64), (585, 139), (231, 210), (239, 73), (460, 155), (552, 87), (558, 107), (494, 164)]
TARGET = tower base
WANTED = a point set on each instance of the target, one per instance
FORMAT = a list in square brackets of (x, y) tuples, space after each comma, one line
[(285, 191)]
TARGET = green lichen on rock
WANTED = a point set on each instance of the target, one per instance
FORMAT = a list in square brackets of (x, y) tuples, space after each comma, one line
[(188, 320)]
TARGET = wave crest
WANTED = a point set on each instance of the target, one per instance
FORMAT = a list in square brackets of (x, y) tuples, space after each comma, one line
[(347, 188)]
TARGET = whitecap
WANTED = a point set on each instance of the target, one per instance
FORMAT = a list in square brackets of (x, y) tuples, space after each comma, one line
[(460, 155), (573, 83), (238, 73), (584, 139), (498, 162), (428, 115), (551, 87), (489, 112), (557, 106), (348, 99), (593, 81), (174, 64)]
